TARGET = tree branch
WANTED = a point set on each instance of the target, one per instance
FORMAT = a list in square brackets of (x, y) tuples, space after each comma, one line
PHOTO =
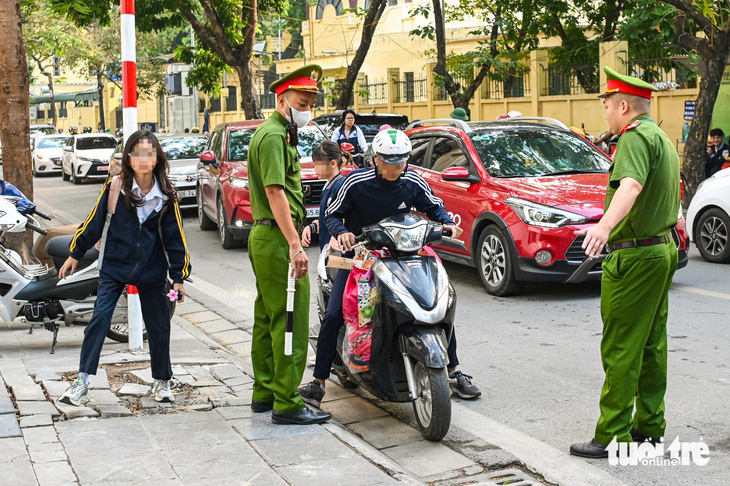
[(692, 13), (205, 35)]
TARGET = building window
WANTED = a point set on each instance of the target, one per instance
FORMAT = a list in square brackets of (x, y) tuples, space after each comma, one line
[(392, 3), (215, 105), (322, 4), (56, 66), (231, 99)]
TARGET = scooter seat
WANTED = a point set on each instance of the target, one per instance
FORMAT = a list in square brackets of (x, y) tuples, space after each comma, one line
[(58, 250)]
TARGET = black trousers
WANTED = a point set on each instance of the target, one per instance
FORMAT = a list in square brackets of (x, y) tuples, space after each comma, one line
[(155, 310), (330, 328)]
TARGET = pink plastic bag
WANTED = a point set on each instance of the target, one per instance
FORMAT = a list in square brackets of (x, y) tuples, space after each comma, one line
[(358, 307)]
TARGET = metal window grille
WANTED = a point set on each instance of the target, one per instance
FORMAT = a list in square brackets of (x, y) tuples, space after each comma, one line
[(215, 105)]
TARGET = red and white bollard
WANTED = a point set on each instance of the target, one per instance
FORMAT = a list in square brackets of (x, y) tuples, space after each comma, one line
[(134, 316), (129, 69)]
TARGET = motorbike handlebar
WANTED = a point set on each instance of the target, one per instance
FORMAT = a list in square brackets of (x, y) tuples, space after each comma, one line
[(41, 214), (36, 229), (360, 238), (447, 232)]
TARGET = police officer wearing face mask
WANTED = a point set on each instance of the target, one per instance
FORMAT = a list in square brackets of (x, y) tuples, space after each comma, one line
[(277, 204)]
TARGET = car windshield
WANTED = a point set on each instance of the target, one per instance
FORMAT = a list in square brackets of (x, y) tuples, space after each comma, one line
[(94, 143), (51, 143), (238, 142), (183, 147), (309, 137), (43, 130), (535, 153), (370, 125)]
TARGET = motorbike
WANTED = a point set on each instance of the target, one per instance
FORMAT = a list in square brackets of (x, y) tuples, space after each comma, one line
[(36, 294), (411, 325)]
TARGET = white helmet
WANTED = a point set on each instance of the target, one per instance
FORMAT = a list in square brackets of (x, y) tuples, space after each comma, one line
[(392, 146)]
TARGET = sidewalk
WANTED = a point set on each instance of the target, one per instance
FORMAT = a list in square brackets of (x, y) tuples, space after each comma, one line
[(210, 436)]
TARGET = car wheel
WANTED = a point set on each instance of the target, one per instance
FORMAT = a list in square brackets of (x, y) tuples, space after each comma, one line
[(205, 223), (74, 177), (227, 240), (35, 172), (713, 236), (494, 263)]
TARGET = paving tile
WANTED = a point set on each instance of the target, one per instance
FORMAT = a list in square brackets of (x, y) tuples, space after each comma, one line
[(39, 435), (71, 412), (36, 408), (28, 390), (385, 432), (214, 392), (55, 388), (99, 381), (225, 371), (144, 375), (179, 370), (113, 411), (55, 473), (202, 316), (336, 392), (259, 426), (6, 404), (133, 389), (331, 473), (15, 463), (9, 426), (426, 458), (47, 452), (149, 402), (36, 420), (353, 409), (236, 336), (219, 325), (283, 451), (103, 397), (188, 308), (238, 381)]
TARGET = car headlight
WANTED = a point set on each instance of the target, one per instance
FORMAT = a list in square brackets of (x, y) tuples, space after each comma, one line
[(240, 182), (408, 238), (543, 216)]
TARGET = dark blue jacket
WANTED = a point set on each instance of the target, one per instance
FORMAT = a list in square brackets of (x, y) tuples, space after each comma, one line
[(136, 254), (364, 199), (328, 194)]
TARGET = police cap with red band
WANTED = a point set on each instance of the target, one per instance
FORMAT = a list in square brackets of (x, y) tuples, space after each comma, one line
[(303, 79), (618, 83)]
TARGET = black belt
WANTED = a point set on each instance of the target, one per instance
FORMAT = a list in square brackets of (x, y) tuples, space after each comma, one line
[(274, 224), (634, 243)]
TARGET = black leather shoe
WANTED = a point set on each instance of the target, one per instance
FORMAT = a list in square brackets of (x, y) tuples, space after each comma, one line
[(639, 437), (304, 416), (260, 407), (591, 449)]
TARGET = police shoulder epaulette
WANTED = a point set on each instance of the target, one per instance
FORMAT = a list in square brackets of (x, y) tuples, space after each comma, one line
[(631, 126)]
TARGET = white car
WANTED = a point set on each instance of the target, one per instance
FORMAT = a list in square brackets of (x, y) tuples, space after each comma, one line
[(86, 156), (708, 218), (47, 153), (183, 154)]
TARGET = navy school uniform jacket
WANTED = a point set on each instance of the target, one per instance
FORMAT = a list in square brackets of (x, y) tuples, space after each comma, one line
[(136, 254), (364, 199), (328, 195)]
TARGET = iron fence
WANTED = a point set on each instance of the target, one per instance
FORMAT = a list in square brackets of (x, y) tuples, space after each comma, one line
[(572, 80), (665, 73), (201, 105), (377, 92), (412, 89), (215, 105), (267, 101), (63, 113)]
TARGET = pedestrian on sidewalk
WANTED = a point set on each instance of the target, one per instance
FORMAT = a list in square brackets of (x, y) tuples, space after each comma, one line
[(144, 242), (366, 197), (642, 204), (277, 204)]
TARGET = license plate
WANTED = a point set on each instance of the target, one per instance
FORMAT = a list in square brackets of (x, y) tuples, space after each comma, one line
[(103, 167), (312, 212), (189, 193)]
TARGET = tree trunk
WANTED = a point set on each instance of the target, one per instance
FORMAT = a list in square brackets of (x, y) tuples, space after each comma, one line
[(696, 148), (15, 114), (100, 90), (347, 88), (249, 93), (54, 114)]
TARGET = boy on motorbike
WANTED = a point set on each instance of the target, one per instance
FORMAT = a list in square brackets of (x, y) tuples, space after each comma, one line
[(366, 197)]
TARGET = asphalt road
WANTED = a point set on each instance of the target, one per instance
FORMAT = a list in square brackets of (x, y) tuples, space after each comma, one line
[(535, 356)]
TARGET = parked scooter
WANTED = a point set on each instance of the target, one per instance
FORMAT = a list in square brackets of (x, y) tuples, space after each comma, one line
[(411, 324), (35, 292)]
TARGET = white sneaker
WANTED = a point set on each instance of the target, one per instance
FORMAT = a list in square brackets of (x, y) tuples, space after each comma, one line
[(75, 395), (161, 391)]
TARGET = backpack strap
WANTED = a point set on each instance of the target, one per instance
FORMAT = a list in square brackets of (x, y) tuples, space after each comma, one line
[(114, 190)]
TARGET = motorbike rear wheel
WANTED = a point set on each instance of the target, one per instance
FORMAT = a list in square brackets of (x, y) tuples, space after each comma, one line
[(119, 330), (433, 401)]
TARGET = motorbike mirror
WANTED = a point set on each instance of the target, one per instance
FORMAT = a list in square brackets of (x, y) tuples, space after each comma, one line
[(207, 157), (458, 174)]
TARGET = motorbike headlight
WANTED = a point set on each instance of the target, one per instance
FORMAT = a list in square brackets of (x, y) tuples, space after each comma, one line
[(407, 238), (240, 182), (543, 216)]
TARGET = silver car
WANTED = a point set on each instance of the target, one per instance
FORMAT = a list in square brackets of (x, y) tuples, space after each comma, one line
[(183, 154), (47, 154)]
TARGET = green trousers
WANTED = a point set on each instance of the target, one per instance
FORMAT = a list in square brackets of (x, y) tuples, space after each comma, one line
[(276, 376), (634, 306)]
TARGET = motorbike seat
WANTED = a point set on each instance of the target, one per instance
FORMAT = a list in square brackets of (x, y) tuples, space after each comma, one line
[(58, 249)]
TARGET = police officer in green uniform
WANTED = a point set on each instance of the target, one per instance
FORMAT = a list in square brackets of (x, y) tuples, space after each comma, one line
[(277, 204), (642, 206)]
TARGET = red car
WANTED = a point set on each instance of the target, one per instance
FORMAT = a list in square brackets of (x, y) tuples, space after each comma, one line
[(519, 188), (223, 197)]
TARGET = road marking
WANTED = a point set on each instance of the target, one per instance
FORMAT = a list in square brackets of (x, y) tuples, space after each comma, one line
[(557, 466), (695, 290)]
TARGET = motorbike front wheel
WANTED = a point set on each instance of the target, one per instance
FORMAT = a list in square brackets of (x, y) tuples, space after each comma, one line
[(119, 330), (433, 401)]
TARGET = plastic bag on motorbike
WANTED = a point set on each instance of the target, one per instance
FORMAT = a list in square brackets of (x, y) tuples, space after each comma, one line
[(358, 306)]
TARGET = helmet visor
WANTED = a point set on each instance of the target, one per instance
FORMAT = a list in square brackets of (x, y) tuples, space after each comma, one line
[(392, 159)]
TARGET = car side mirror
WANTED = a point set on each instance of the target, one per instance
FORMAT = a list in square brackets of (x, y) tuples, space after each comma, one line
[(459, 174), (207, 157)]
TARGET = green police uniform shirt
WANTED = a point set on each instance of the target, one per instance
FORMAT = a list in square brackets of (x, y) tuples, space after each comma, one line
[(646, 154), (272, 161)]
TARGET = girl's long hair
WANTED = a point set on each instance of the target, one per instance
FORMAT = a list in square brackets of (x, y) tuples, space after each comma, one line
[(328, 150), (160, 171)]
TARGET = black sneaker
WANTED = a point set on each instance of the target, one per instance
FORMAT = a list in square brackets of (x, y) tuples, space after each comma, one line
[(461, 385), (312, 393)]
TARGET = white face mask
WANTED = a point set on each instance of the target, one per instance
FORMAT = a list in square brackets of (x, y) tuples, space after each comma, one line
[(301, 118)]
